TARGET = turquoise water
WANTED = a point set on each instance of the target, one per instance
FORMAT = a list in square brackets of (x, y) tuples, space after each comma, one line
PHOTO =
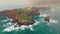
[(40, 27)]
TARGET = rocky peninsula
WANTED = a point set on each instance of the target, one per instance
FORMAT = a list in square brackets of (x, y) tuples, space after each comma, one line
[(21, 16)]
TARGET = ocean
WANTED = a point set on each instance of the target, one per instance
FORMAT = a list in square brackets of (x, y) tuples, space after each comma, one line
[(40, 27)]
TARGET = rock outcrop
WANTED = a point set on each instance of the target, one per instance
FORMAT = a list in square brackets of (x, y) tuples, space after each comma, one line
[(47, 18)]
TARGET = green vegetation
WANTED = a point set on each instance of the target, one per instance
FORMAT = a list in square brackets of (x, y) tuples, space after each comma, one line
[(25, 17), (23, 13)]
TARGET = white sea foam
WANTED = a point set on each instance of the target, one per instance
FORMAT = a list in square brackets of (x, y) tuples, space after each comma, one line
[(52, 9), (36, 22), (44, 15), (4, 20), (8, 24), (8, 29), (53, 21), (23, 27), (11, 19)]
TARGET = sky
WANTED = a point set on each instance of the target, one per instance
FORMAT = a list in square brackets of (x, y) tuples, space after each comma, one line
[(12, 4)]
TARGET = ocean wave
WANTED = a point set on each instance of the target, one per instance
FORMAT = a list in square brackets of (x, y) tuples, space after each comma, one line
[(8, 24), (43, 15), (4, 20), (36, 23), (9, 28)]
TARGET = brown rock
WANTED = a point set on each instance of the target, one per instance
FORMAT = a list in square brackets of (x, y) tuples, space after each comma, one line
[(35, 11), (12, 14), (47, 18)]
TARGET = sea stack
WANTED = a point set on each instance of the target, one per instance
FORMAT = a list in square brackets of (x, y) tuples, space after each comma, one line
[(47, 18)]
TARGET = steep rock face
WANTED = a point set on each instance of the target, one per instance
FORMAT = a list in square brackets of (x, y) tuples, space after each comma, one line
[(35, 11)]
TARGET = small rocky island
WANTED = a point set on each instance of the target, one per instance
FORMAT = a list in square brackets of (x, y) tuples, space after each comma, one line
[(21, 16)]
